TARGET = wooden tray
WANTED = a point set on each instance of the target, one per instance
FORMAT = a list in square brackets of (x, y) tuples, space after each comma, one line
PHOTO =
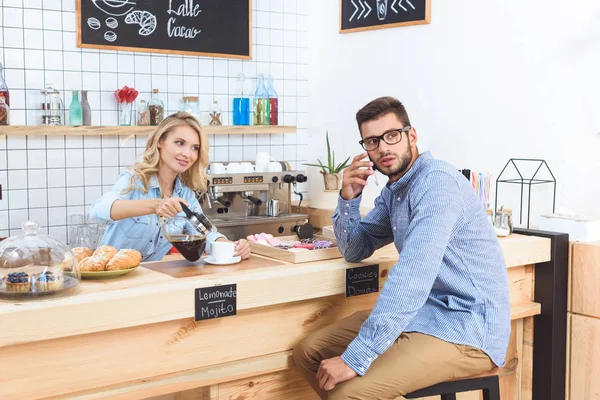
[(300, 256)]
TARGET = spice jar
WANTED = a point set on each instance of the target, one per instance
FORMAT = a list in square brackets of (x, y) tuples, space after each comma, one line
[(190, 105), (503, 222), (143, 114), (156, 108)]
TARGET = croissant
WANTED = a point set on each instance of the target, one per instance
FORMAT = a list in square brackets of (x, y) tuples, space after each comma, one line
[(105, 253), (81, 253), (124, 259), (91, 263)]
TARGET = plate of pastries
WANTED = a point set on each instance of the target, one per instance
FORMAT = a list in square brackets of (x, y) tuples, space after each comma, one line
[(106, 261)]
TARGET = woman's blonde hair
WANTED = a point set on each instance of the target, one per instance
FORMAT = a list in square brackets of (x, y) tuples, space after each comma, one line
[(195, 177)]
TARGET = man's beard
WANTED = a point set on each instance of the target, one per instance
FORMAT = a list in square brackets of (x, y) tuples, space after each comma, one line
[(404, 163)]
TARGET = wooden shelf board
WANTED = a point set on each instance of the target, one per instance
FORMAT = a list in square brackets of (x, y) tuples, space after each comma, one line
[(23, 130)]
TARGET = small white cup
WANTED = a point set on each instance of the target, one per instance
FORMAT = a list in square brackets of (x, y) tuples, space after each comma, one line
[(222, 251), (217, 168), (247, 167), (234, 168), (274, 166)]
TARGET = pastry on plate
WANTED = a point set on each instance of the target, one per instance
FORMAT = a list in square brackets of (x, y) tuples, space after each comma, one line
[(105, 253), (92, 264), (124, 259), (18, 282), (48, 281), (81, 252)]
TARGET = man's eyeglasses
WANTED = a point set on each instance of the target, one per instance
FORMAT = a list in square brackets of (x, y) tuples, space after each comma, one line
[(392, 136)]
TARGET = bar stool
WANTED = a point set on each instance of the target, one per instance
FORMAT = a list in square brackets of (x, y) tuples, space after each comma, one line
[(486, 382)]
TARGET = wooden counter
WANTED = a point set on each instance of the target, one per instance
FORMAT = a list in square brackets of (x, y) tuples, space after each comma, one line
[(135, 336)]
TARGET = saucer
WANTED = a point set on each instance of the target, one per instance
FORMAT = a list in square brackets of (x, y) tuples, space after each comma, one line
[(232, 260)]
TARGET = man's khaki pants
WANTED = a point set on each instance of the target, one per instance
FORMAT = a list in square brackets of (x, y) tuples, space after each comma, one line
[(413, 362)]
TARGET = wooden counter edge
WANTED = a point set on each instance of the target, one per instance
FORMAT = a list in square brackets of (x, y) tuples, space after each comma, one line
[(86, 312)]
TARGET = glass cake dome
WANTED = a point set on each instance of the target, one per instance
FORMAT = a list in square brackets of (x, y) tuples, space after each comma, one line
[(35, 265)]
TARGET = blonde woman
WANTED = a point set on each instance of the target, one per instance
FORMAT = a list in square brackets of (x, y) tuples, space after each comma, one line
[(171, 171)]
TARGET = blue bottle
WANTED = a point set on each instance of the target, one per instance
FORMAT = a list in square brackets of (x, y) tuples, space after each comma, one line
[(241, 104)]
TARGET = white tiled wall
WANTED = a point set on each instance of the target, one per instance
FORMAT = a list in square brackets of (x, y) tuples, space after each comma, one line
[(49, 178)]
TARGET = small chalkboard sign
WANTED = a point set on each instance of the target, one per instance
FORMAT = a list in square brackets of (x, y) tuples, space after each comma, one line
[(215, 302), (217, 28), (362, 15), (362, 280)]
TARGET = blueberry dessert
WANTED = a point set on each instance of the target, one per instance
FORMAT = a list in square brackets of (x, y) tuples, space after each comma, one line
[(18, 282), (47, 281)]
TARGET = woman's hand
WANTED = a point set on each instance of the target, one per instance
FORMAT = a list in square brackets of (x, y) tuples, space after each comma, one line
[(169, 207), (242, 249)]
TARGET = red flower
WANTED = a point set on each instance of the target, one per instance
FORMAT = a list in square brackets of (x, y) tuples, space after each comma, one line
[(126, 95)]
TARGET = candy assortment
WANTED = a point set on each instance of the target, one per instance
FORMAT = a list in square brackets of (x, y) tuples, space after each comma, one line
[(267, 239)]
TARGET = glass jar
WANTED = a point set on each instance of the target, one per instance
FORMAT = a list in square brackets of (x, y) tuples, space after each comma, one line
[(4, 111), (215, 114), (143, 114), (156, 108), (53, 106), (503, 222), (34, 265), (190, 105)]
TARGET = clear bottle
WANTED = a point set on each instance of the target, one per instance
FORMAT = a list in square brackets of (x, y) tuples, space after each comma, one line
[(75, 113), (273, 102), (156, 108), (215, 114), (4, 87), (4, 111), (261, 102), (85, 109), (143, 114), (241, 103)]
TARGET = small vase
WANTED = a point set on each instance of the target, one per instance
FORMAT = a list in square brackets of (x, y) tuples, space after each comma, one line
[(332, 181), (125, 111)]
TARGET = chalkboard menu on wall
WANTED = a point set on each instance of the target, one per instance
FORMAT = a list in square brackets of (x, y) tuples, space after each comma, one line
[(362, 15), (219, 28)]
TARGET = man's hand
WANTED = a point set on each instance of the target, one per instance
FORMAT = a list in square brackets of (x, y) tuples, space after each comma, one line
[(355, 178), (333, 371)]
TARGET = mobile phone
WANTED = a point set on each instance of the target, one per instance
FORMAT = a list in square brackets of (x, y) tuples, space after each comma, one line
[(374, 168)]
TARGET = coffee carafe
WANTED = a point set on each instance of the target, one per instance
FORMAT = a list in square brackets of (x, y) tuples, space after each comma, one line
[(200, 221)]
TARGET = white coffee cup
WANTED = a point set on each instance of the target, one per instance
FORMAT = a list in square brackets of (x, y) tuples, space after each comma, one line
[(234, 168), (222, 251), (247, 167), (217, 168), (274, 166), (262, 161)]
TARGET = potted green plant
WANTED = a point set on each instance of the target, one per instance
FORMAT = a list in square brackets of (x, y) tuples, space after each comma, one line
[(331, 172)]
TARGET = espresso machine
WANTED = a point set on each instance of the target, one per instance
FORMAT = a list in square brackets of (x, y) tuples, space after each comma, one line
[(244, 203)]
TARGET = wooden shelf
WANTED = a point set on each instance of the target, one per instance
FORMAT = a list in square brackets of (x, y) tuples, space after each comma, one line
[(136, 130)]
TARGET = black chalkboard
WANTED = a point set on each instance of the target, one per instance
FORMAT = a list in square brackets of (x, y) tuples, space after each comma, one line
[(215, 302), (220, 28), (361, 15), (362, 280)]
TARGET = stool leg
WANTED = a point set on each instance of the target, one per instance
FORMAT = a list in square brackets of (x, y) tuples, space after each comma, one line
[(450, 396), (492, 393)]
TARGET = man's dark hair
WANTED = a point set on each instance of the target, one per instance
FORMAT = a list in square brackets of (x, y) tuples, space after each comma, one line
[(381, 106)]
